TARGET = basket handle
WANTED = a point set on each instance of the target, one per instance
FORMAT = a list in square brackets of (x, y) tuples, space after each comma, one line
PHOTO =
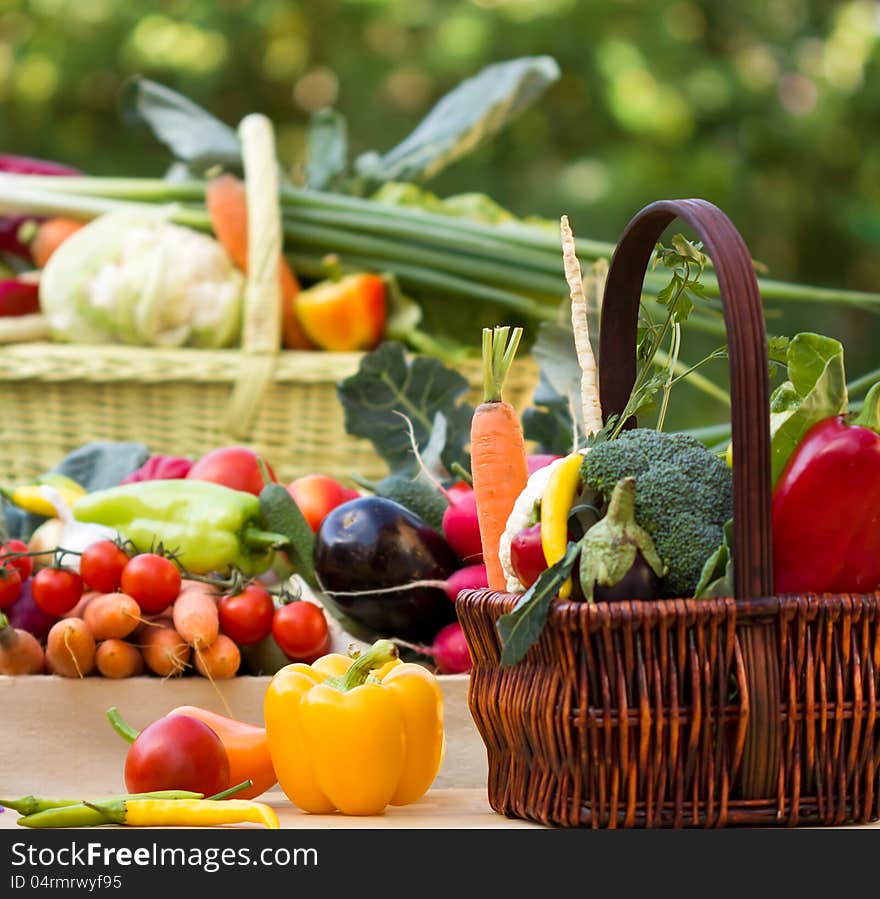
[(750, 420), (747, 350), (261, 319)]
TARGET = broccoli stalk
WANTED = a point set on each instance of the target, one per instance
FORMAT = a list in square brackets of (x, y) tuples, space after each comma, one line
[(611, 547)]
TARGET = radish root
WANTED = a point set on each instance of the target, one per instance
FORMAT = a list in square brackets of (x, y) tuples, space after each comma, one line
[(590, 404)]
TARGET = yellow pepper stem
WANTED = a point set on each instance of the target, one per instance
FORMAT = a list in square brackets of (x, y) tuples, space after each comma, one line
[(380, 653)]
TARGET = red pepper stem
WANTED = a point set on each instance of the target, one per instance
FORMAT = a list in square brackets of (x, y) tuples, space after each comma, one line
[(121, 726), (332, 267), (379, 654), (869, 417)]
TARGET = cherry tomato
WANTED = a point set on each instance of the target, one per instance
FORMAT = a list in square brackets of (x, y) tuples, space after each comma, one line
[(300, 629), (177, 752), (152, 581), (25, 564), (236, 467), (246, 617), (317, 495), (101, 566), (10, 587), (56, 590)]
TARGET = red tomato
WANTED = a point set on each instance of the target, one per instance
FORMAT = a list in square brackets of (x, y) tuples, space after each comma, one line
[(300, 629), (236, 467), (24, 565), (101, 566), (56, 590), (10, 587), (246, 617), (317, 495), (177, 752), (152, 581)]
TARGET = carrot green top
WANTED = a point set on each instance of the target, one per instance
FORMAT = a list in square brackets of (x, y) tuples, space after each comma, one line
[(498, 353)]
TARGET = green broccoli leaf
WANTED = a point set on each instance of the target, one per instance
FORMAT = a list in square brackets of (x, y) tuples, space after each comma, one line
[(815, 390), (389, 391)]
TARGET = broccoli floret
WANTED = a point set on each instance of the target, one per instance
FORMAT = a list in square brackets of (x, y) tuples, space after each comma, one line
[(684, 495)]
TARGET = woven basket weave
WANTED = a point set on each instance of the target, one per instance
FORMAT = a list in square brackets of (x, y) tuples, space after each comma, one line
[(282, 403), (758, 709)]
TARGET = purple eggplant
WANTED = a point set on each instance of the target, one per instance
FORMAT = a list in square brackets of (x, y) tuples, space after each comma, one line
[(26, 615), (368, 545)]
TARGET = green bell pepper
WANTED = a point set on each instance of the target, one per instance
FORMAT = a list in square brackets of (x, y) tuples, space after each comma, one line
[(207, 526)]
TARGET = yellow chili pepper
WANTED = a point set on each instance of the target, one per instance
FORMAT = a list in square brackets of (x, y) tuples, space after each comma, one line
[(186, 812), (33, 498), (562, 488), (355, 735)]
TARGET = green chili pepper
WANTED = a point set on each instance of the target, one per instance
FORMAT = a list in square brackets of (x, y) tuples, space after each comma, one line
[(76, 813), (207, 526)]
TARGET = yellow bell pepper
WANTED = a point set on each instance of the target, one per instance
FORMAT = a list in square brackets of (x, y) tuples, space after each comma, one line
[(559, 496), (355, 735)]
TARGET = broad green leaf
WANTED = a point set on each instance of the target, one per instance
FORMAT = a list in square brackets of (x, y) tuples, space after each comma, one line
[(191, 133), (815, 390), (327, 149), (520, 629), (474, 111), (716, 579), (388, 386)]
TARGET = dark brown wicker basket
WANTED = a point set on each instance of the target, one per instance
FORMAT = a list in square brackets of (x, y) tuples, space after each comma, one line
[(680, 713)]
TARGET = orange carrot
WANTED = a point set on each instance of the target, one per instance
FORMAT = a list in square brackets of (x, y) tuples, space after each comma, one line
[(70, 648), (50, 235), (226, 200), (79, 610), (112, 616), (116, 658), (498, 454), (220, 660), (20, 651), (196, 618), (165, 651)]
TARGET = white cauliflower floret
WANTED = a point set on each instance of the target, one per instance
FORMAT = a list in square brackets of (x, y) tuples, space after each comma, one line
[(137, 278)]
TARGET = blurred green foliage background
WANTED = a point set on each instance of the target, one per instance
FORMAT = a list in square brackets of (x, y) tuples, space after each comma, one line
[(766, 107)]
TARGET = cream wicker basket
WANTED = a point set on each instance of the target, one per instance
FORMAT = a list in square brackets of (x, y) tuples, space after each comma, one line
[(282, 403)]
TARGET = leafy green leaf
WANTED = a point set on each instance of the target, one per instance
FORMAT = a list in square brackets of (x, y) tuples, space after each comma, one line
[(192, 134), (716, 579), (521, 628), (474, 111), (327, 149), (815, 390), (549, 422), (777, 349), (281, 514), (388, 386)]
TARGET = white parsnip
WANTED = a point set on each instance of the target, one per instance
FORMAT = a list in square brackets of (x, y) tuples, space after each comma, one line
[(592, 409)]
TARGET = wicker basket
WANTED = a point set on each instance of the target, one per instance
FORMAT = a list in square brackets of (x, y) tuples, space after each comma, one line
[(680, 713), (187, 401)]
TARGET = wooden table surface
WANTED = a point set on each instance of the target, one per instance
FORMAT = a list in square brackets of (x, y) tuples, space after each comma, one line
[(443, 809)]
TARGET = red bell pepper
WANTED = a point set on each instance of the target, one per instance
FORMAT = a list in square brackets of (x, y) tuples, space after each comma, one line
[(826, 508), (19, 297)]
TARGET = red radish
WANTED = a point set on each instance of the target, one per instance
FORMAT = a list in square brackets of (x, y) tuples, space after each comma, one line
[(449, 650), (26, 615), (20, 651), (534, 461), (471, 577), (527, 555), (461, 527)]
